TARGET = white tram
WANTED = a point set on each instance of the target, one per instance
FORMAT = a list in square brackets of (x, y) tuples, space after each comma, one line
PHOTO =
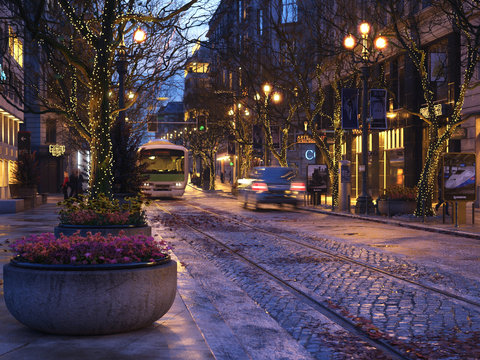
[(167, 168)]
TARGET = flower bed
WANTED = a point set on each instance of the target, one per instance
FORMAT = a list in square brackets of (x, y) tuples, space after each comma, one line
[(399, 193), (102, 211), (90, 250), (90, 285)]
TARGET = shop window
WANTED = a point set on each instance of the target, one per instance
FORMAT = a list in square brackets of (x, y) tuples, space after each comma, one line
[(393, 139), (2, 180)]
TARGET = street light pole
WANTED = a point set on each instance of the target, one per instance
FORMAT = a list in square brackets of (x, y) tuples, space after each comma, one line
[(122, 65), (364, 203)]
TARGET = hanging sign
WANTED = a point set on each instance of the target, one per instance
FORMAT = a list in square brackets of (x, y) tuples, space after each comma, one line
[(24, 142), (350, 109), (56, 150), (378, 109), (305, 139)]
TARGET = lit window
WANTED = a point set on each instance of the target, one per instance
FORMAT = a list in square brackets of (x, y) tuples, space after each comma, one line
[(289, 11), (260, 21), (15, 47)]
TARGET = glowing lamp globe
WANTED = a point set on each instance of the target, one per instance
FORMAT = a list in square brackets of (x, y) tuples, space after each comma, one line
[(380, 43), (364, 28), (349, 42), (139, 36)]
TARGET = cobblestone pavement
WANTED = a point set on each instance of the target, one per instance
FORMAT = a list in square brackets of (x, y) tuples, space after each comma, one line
[(415, 320)]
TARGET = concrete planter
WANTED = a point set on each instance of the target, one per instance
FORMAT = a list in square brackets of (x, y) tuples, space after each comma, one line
[(128, 230), (396, 207), (88, 300)]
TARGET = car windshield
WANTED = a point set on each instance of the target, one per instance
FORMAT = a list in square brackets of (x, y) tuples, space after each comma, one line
[(278, 174)]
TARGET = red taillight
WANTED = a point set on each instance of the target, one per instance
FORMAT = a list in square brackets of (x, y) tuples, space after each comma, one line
[(259, 187), (297, 187)]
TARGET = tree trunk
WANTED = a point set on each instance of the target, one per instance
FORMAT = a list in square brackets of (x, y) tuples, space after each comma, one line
[(99, 106), (427, 180)]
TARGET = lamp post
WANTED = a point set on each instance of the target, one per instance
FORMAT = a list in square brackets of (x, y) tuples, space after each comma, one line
[(236, 114), (267, 89), (139, 36), (364, 202)]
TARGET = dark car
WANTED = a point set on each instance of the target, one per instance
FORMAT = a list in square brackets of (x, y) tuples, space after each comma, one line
[(270, 185)]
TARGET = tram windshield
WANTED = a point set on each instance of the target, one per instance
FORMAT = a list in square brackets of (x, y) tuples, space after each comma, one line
[(164, 161)]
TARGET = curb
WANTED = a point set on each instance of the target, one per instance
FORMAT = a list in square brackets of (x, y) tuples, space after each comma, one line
[(399, 223)]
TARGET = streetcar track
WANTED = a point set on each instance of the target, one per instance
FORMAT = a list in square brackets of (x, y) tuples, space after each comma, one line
[(347, 259), (302, 295)]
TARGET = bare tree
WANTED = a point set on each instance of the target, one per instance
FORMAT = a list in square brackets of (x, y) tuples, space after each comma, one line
[(412, 30), (73, 47)]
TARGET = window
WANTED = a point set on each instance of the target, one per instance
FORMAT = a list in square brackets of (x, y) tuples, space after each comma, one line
[(50, 131), (396, 83), (286, 51), (289, 11), (15, 46), (438, 70), (240, 10), (260, 22)]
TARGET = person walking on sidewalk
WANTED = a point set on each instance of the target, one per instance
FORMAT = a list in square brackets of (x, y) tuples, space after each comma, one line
[(440, 195), (74, 183), (65, 185)]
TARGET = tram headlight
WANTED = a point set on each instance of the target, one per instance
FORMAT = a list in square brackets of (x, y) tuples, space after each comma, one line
[(178, 184)]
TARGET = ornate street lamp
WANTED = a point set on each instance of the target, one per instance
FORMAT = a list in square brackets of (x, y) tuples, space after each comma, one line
[(364, 202), (276, 97)]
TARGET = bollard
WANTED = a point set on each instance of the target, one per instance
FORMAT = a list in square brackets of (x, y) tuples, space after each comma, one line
[(423, 210), (473, 213), (456, 213), (388, 212), (349, 206), (443, 207)]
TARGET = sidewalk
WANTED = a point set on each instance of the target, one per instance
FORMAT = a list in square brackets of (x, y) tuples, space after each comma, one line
[(175, 336), (195, 328)]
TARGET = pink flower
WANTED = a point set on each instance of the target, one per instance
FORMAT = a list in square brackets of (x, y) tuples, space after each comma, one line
[(92, 249)]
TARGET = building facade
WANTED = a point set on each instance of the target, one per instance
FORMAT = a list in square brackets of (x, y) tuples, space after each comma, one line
[(11, 107), (397, 154)]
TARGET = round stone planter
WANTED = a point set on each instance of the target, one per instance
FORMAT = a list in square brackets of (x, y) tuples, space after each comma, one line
[(89, 299), (128, 230), (396, 207)]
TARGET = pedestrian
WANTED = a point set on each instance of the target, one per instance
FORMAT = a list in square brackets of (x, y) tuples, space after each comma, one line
[(65, 185), (222, 177), (80, 182), (440, 195), (74, 183)]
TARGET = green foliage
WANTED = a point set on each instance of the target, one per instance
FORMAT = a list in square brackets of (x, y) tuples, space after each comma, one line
[(103, 211), (26, 171)]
